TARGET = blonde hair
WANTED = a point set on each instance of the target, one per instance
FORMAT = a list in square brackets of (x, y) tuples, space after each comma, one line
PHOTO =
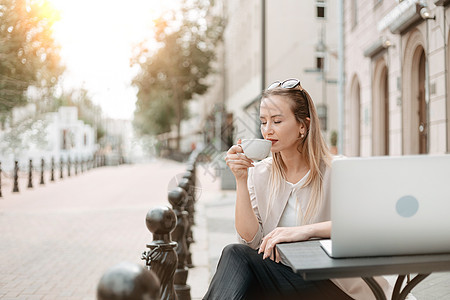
[(311, 147)]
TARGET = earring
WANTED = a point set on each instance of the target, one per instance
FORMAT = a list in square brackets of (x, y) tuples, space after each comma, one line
[(302, 135)]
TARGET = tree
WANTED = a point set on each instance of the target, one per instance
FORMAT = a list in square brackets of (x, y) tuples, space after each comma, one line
[(176, 72), (28, 53)]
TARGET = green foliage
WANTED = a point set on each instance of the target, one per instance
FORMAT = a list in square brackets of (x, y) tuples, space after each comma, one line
[(155, 115), (28, 53), (176, 72), (22, 136), (333, 138)]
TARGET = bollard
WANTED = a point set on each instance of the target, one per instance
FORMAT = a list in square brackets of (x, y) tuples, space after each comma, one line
[(128, 281), (186, 186), (52, 172), (16, 177), (42, 171), (162, 258), (61, 167), (178, 197), (68, 166), (191, 168), (1, 180), (30, 174)]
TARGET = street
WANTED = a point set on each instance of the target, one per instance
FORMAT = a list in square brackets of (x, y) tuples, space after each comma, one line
[(58, 239)]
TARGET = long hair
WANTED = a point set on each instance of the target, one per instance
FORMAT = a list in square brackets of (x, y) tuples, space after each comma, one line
[(311, 147)]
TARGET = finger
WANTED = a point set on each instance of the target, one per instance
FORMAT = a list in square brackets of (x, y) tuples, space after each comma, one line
[(263, 245), (239, 141), (272, 256), (236, 168), (239, 163), (266, 239), (238, 156), (269, 247), (235, 149), (277, 256), (243, 156)]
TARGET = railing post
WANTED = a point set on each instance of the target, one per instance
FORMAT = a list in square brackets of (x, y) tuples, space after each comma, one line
[(30, 174), (52, 174), (178, 197), (161, 256), (16, 177), (189, 208), (68, 166), (128, 281), (42, 171), (61, 168)]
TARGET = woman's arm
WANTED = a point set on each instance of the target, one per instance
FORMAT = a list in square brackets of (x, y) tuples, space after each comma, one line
[(246, 222), (293, 234)]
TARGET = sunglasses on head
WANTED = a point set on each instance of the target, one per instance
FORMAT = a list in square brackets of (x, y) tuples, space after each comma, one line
[(287, 84)]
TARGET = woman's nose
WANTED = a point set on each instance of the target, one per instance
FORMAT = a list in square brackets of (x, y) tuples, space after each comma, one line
[(267, 128)]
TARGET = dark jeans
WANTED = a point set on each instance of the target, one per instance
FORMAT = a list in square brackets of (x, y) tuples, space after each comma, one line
[(243, 274)]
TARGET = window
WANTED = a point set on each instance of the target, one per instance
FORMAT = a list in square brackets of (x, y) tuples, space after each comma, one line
[(319, 63), (320, 5)]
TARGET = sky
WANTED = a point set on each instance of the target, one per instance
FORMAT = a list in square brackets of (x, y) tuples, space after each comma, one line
[(97, 38)]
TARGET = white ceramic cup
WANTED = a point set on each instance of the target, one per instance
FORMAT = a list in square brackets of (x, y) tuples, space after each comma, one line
[(256, 148)]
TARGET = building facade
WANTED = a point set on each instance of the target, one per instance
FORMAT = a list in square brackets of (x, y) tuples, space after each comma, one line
[(271, 40), (396, 77), (59, 135), (264, 41)]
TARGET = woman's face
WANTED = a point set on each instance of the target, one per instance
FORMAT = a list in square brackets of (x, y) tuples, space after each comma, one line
[(278, 123)]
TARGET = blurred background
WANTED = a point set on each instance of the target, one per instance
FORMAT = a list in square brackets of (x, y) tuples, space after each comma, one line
[(89, 83), (152, 78)]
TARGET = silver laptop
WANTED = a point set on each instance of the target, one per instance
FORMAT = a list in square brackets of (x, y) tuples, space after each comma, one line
[(390, 206)]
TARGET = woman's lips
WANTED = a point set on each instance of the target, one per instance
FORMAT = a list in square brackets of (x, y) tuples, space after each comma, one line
[(273, 141)]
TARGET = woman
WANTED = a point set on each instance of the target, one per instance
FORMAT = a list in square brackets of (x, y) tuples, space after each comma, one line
[(283, 198)]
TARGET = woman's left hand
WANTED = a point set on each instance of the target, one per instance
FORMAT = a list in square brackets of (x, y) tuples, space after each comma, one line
[(280, 235)]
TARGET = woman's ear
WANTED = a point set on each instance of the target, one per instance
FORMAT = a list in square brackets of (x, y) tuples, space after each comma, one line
[(301, 128)]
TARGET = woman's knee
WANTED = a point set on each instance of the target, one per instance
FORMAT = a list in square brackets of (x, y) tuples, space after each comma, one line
[(237, 250)]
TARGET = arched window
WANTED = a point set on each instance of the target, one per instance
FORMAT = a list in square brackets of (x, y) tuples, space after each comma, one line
[(380, 109), (415, 109)]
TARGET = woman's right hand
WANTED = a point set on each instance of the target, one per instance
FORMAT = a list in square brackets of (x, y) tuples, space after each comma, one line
[(238, 162)]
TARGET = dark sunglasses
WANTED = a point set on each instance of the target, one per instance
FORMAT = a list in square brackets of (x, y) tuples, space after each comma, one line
[(287, 84)]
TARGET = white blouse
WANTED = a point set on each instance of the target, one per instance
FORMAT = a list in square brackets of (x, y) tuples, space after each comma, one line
[(290, 217)]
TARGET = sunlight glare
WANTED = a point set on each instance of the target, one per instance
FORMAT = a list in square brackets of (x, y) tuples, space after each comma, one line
[(96, 38)]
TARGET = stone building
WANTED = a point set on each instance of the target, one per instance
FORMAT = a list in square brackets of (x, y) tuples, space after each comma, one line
[(271, 40), (292, 39), (396, 77)]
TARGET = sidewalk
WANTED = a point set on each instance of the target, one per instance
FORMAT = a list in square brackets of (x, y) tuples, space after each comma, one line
[(215, 229)]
